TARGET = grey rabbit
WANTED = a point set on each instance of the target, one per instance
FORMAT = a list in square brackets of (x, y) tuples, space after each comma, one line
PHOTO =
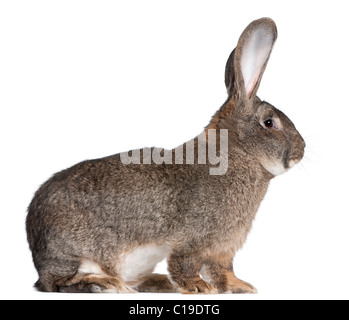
[(103, 225)]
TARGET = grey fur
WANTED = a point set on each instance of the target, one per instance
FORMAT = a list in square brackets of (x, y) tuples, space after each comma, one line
[(100, 210)]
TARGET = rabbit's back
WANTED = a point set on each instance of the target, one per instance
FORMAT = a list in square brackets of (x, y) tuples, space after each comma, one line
[(102, 207)]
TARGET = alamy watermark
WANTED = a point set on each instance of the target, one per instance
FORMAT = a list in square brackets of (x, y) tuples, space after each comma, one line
[(204, 148)]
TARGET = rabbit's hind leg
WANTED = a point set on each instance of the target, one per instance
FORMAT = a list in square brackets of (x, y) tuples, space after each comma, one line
[(91, 277), (158, 283), (93, 283)]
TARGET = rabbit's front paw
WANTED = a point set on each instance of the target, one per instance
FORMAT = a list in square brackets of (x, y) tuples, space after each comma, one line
[(197, 285), (238, 286)]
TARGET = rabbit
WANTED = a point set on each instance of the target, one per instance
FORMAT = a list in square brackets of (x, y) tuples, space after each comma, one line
[(103, 225)]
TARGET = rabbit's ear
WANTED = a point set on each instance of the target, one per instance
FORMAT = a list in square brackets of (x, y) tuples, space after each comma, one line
[(247, 62)]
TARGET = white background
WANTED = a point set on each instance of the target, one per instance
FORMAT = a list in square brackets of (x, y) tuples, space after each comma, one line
[(86, 79)]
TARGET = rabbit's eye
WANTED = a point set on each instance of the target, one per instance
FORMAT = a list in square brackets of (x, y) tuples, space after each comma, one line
[(269, 123)]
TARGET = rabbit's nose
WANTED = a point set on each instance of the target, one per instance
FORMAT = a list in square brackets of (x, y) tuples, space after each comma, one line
[(298, 149), (300, 142)]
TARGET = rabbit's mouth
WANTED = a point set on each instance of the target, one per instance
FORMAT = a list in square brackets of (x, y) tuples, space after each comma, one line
[(293, 162), (278, 167), (295, 159), (275, 167)]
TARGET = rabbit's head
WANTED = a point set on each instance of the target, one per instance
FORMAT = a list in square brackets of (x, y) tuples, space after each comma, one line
[(254, 125)]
